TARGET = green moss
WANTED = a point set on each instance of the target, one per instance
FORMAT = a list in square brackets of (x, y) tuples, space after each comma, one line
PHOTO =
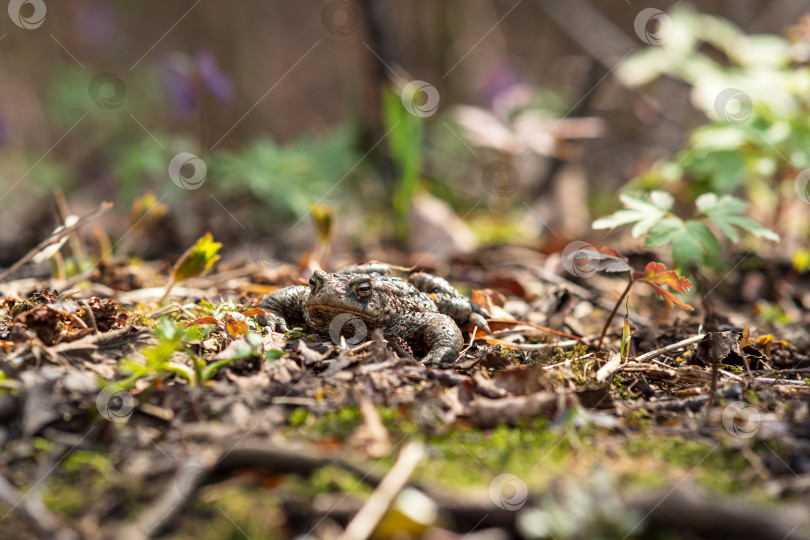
[(332, 425), (714, 467), (298, 417), (87, 478), (234, 513)]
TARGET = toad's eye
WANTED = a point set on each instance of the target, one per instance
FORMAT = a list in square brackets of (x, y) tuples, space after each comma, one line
[(314, 282), (363, 289)]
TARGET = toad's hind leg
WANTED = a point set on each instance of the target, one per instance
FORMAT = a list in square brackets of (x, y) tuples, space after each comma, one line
[(379, 268), (451, 302), (435, 333)]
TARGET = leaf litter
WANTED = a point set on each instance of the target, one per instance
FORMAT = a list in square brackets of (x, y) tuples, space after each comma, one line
[(201, 393)]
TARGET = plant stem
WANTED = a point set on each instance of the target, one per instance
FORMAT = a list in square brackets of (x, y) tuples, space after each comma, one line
[(613, 313), (169, 286)]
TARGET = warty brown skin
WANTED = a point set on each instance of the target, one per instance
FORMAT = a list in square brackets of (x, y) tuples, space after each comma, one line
[(425, 311)]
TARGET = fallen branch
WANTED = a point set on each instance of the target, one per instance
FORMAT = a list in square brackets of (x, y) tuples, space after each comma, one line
[(168, 505), (31, 507), (373, 511), (671, 347)]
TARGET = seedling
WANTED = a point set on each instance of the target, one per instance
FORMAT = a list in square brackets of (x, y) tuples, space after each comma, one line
[(175, 338), (194, 262), (655, 274)]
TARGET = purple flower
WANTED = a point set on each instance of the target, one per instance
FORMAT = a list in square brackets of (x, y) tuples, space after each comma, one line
[(189, 78), (214, 81), (497, 79), (95, 24)]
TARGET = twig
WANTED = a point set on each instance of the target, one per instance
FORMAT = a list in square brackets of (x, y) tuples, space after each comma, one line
[(56, 236), (163, 509), (90, 316), (373, 511), (671, 347), (34, 511), (786, 382), (611, 367), (542, 346), (613, 312), (64, 213), (709, 518)]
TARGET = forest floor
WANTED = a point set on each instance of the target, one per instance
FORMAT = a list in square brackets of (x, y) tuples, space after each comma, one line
[(123, 419)]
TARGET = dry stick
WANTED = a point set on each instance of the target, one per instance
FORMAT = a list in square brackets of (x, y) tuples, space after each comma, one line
[(90, 316), (56, 236), (613, 313), (671, 347), (168, 504), (543, 346), (33, 510), (373, 511), (64, 212)]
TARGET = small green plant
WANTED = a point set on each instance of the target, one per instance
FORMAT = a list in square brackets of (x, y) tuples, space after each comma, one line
[(176, 338), (172, 338), (405, 140), (691, 240), (626, 337), (194, 262), (285, 179)]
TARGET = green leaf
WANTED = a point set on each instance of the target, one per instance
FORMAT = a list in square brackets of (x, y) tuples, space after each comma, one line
[(617, 219), (405, 141), (725, 212), (662, 200), (749, 225), (710, 202), (197, 259), (719, 137), (690, 240), (664, 232), (644, 211), (626, 337), (722, 169), (686, 247), (704, 235)]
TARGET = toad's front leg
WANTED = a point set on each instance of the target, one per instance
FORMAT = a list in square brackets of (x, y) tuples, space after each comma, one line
[(435, 333), (284, 308)]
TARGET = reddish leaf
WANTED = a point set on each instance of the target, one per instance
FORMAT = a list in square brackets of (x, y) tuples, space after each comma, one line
[(204, 320), (237, 329), (488, 299), (670, 298), (656, 275)]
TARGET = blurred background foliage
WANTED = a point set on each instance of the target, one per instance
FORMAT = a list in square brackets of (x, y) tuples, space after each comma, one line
[(547, 109)]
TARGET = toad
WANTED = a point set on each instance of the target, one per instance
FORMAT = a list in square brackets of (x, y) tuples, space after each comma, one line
[(424, 310)]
